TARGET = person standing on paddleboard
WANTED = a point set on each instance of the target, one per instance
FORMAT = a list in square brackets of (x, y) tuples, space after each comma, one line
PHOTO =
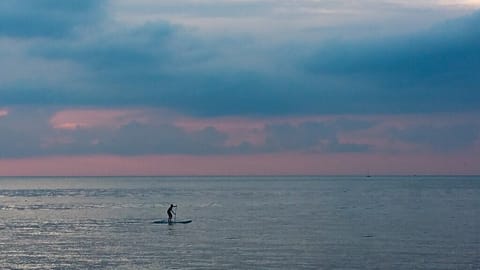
[(170, 211)]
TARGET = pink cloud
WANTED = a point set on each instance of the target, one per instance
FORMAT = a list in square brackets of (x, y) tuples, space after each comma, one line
[(88, 118), (252, 130), (389, 155), (3, 112)]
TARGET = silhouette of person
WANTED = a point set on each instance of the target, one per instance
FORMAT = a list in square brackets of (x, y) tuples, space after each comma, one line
[(170, 211)]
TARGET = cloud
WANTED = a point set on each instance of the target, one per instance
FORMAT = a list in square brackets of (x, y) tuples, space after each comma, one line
[(40, 131), (3, 112), (28, 132), (46, 18), (280, 11), (439, 139), (436, 70), (164, 139), (22, 131), (160, 64), (314, 136), (144, 47), (210, 8)]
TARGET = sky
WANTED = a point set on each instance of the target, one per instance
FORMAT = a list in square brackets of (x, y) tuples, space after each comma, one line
[(239, 87)]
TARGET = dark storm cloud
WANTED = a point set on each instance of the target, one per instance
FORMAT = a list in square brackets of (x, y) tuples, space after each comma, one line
[(142, 48), (437, 70), (46, 18), (164, 65)]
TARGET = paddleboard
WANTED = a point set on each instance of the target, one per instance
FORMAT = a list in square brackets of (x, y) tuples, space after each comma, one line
[(163, 221)]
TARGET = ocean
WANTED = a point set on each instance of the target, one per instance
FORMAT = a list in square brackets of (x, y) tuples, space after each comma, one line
[(240, 223)]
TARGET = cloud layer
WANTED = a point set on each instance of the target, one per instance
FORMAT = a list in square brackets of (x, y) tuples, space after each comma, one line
[(35, 132), (164, 65), (330, 79), (47, 18)]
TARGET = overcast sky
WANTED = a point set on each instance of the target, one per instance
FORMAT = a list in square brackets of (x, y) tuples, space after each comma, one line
[(144, 87)]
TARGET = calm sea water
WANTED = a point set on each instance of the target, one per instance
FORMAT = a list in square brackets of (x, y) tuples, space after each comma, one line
[(241, 223)]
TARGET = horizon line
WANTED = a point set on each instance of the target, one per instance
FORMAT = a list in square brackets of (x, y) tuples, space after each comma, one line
[(246, 175)]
